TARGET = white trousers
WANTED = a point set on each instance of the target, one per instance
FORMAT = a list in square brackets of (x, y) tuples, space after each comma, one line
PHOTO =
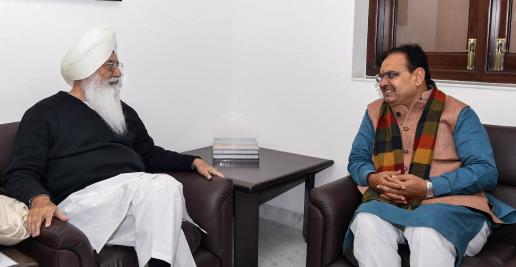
[(141, 210), (376, 243)]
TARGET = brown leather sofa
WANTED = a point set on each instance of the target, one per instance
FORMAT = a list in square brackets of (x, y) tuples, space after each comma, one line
[(332, 207), (210, 204)]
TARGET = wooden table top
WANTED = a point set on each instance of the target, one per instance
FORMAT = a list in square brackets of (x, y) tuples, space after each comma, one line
[(274, 167)]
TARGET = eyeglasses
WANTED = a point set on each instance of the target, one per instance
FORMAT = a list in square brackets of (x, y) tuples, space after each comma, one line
[(389, 75), (111, 66)]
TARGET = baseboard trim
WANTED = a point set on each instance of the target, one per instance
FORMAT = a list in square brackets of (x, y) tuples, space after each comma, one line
[(281, 216)]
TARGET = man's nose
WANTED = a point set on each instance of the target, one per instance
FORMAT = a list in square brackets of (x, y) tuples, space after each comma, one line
[(384, 82), (117, 72)]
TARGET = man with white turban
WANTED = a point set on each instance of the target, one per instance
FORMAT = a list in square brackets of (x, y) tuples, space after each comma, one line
[(90, 153)]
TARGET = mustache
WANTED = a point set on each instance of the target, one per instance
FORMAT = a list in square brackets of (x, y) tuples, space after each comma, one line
[(114, 81), (386, 87)]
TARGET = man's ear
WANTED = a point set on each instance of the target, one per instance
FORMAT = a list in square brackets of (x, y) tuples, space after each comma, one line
[(420, 76)]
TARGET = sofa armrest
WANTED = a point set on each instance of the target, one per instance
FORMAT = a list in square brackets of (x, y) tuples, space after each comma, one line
[(504, 234), (331, 209), (62, 235), (59, 237), (210, 204)]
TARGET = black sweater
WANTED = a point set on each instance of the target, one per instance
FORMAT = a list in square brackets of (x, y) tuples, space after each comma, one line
[(62, 146)]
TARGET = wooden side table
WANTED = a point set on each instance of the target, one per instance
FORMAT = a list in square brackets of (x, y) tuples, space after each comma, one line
[(254, 184)]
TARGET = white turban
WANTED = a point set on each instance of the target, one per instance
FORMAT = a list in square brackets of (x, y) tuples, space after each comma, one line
[(88, 53)]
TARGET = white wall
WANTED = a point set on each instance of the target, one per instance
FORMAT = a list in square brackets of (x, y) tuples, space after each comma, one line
[(177, 56), (292, 75), (289, 72)]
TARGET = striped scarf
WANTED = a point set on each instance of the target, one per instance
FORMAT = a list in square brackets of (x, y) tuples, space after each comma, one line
[(388, 147)]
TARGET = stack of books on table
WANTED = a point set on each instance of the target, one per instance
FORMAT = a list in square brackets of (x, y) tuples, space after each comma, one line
[(245, 149)]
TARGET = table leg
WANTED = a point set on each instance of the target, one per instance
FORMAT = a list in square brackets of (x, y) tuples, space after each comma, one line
[(246, 229), (309, 184)]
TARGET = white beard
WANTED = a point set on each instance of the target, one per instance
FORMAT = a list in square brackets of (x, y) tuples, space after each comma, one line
[(103, 96)]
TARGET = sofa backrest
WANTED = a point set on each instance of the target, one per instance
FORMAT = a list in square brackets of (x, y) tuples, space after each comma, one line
[(7, 133), (503, 140)]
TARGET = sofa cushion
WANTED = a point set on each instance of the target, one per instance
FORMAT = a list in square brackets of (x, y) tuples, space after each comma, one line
[(403, 250), (203, 258), (115, 256), (493, 254), (193, 235)]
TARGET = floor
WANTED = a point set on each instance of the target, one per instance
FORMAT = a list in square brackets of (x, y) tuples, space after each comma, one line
[(280, 245)]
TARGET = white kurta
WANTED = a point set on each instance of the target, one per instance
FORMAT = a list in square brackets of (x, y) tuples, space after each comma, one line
[(141, 210)]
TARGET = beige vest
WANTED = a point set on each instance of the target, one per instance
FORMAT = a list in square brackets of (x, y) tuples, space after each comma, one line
[(445, 158)]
